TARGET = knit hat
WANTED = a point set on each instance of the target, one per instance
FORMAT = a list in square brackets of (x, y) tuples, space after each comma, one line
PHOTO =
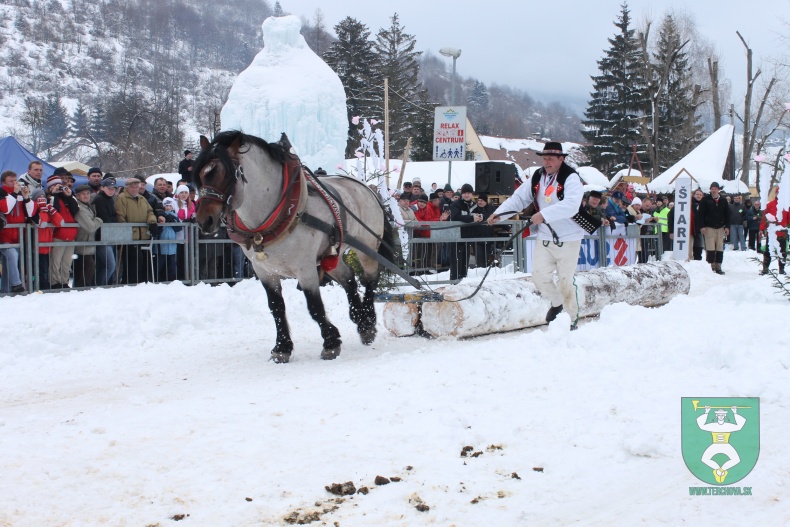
[(636, 201), (618, 195), (434, 195), (182, 188), (457, 194), (108, 181), (94, 170), (466, 187), (484, 197), (448, 187), (595, 194), (53, 180), (169, 201), (38, 193)]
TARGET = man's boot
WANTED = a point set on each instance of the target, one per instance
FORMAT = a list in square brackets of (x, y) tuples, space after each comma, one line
[(553, 312)]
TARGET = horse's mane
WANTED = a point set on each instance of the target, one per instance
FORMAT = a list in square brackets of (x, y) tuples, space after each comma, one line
[(224, 139)]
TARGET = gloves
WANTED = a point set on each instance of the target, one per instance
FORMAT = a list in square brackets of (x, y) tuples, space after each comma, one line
[(153, 230), (51, 209)]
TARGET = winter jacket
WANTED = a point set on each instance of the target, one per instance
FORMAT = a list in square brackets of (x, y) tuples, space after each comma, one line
[(753, 217), (614, 210), (737, 211), (89, 224), (714, 213), (696, 216), (32, 184), (68, 206), (168, 233), (45, 218), (429, 213), (186, 212), (464, 211), (135, 210), (16, 210), (104, 206)]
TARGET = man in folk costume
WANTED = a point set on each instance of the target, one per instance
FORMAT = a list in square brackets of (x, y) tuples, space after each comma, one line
[(556, 190)]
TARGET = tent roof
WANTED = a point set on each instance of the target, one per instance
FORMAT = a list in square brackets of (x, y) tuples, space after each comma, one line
[(75, 167), (16, 157), (705, 164)]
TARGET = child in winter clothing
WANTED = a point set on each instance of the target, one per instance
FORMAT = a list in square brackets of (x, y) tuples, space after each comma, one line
[(46, 217), (166, 252)]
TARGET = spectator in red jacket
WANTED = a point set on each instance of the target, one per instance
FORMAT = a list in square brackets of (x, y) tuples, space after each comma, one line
[(47, 218), (771, 222), (66, 204), (16, 206)]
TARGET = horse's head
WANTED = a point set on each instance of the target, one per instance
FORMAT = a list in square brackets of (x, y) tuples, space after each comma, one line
[(214, 175)]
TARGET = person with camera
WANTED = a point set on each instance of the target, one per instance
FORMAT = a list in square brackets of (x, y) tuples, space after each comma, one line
[(85, 265), (463, 210), (15, 206), (48, 219), (32, 178), (63, 200), (132, 207)]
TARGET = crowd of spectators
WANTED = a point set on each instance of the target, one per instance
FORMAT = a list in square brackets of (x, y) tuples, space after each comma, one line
[(61, 213)]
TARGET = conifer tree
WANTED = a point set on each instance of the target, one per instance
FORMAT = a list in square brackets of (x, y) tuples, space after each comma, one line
[(354, 61), (397, 61), (80, 122), (678, 124), (478, 104), (617, 102), (56, 122), (278, 9)]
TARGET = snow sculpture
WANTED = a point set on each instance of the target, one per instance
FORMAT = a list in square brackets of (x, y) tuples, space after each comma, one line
[(288, 88)]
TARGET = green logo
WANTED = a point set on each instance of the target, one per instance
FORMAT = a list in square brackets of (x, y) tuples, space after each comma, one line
[(720, 437)]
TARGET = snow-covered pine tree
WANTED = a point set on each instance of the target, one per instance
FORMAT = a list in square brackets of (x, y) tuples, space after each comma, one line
[(98, 124), (478, 105), (79, 126), (617, 102), (397, 61), (278, 9), (56, 122), (679, 129), (353, 59)]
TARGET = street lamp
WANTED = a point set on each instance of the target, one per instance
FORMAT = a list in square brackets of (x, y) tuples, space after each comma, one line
[(454, 53)]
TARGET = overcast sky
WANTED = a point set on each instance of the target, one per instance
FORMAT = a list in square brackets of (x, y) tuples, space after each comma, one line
[(550, 49)]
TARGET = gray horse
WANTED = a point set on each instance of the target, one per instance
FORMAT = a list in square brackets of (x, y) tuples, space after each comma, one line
[(291, 224)]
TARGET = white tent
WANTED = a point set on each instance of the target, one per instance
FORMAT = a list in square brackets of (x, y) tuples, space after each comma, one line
[(705, 164), (594, 178), (638, 187)]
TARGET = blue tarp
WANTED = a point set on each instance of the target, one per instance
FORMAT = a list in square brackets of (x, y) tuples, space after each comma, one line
[(16, 157)]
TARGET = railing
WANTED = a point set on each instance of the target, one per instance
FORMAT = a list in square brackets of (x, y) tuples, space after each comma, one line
[(117, 259)]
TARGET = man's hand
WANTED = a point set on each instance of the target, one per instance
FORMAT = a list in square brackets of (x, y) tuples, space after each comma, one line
[(492, 219), (702, 230), (537, 218), (707, 410), (25, 191), (66, 190), (726, 231), (160, 219)]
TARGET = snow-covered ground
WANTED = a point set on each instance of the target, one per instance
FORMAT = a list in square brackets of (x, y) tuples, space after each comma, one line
[(142, 405)]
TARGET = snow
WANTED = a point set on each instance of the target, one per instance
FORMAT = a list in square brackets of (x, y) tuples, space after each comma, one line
[(138, 404), (290, 89), (705, 164)]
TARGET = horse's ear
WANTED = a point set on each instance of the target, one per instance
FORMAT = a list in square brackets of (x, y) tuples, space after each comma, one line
[(204, 142), (285, 142)]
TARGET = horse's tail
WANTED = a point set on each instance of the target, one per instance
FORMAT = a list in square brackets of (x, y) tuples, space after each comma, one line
[(387, 245)]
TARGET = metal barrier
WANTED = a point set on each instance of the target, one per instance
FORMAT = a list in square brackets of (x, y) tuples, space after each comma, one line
[(118, 259)]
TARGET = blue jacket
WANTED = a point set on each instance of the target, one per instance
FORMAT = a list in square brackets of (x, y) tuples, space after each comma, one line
[(612, 209), (168, 233)]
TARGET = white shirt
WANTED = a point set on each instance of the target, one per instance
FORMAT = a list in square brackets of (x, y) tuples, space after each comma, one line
[(557, 213)]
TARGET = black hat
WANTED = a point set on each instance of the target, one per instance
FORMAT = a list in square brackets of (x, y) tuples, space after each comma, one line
[(60, 171), (466, 187), (434, 195), (320, 172), (484, 197), (552, 148), (714, 184), (423, 197), (407, 184), (94, 170), (595, 194), (80, 188)]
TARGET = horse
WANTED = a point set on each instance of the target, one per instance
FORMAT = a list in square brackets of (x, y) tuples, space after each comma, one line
[(292, 224)]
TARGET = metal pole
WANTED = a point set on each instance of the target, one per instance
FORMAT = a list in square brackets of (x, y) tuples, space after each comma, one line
[(452, 102), (386, 128)]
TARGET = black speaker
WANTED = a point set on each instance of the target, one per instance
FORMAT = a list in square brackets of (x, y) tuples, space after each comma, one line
[(494, 177)]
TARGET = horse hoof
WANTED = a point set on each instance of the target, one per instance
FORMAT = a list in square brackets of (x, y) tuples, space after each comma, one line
[(330, 354), (281, 357), (367, 336)]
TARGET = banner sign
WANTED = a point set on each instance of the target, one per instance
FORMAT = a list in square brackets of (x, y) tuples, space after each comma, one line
[(682, 235), (619, 251), (449, 133)]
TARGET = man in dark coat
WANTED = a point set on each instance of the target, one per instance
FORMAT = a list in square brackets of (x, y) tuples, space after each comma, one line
[(715, 216), (753, 216), (185, 167), (463, 210), (104, 204)]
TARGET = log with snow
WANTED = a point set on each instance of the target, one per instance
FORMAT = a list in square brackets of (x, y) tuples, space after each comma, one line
[(507, 305)]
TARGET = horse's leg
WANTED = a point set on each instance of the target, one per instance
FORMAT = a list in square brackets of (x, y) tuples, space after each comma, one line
[(329, 332), (370, 281), (283, 346), (356, 310)]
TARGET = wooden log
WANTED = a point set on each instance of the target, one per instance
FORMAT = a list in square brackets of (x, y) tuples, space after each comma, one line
[(507, 305)]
